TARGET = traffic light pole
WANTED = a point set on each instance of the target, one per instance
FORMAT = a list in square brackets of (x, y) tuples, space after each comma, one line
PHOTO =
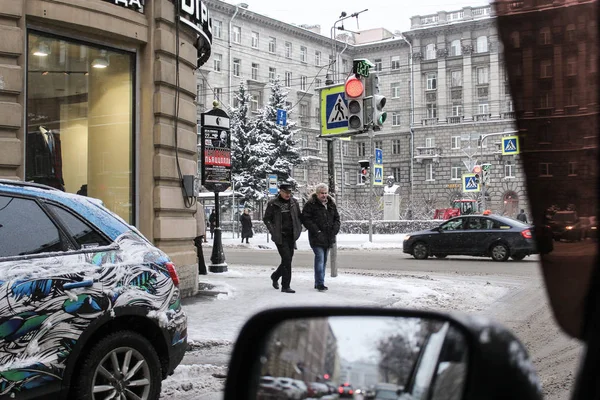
[(371, 134), (331, 176)]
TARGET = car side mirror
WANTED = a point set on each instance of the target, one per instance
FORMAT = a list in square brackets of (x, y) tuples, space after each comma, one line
[(414, 354)]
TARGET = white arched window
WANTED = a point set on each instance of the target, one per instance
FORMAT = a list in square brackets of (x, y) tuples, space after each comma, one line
[(455, 49), (430, 52), (482, 44)]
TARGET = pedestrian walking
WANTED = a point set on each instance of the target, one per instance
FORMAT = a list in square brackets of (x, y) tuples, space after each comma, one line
[(246, 222), (522, 217), (200, 236), (283, 220), (321, 218), (212, 219)]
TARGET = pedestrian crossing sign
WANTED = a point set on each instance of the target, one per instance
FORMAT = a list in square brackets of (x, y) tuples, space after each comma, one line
[(510, 145), (378, 178), (470, 183), (334, 111)]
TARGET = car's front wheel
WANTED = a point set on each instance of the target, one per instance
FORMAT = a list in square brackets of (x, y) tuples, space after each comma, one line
[(420, 251), (499, 252), (124, 365)]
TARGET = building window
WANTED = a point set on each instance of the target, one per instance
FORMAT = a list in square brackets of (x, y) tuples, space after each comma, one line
[(544, 134), (572, 168), (319, 145), (303, 54), (509, 170), (455, 48), (272, 44), (288, 79), (317, 83), (545, 36), (396, 173), (457, 110), (303, 83), (272, 73), (303, 142), (572, 66), (456, 172), (430, 52), (482, 44), (546, 69), (395, 90), (255, 40), (72, 140), (429, 172), (429, 142), (318, 115), (237, 34), (346, 178), (378, 65), (431, 81), (361, 149), (455, 142), (510, 106), (515, 39), (237, 66), (570, 33), (395, 118), (318, 58), (304, 114), (483, 108), (546, 100), (218, 93), (217, 60), (396, 146), (345, 67), (431, 110), (217, 29), (255, 71), (288, 50), (255, 100), (305, 174), (571, 95), (545, 169), (482, 75), (345, 147), (395, 62), (456, 78)]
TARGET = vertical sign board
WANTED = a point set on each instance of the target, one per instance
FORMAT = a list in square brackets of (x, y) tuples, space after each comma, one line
[(215, 150), (378, 168), (272, 180), (281, 117)]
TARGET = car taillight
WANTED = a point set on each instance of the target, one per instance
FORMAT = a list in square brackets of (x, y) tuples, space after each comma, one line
[(526, 234), (341, 390), (173, 273), (350, 391)]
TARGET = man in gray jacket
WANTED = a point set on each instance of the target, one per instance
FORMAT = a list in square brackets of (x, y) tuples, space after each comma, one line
[(283, 220)]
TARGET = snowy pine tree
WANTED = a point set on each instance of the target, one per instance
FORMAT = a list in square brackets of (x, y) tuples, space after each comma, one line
[(244, 163), (275, 149)]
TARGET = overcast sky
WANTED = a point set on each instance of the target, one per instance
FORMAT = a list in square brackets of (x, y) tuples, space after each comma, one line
[(390, 14)]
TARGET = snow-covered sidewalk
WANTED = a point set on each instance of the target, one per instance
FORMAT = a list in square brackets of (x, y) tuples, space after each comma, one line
[(344, 241)]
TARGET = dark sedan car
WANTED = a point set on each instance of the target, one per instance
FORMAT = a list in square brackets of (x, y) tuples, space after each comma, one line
[(474, 235)]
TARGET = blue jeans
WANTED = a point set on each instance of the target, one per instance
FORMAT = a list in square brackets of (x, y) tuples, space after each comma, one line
[(320, 263)]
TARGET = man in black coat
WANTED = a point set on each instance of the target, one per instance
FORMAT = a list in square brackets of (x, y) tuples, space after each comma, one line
[(283, 220), (322, 220)]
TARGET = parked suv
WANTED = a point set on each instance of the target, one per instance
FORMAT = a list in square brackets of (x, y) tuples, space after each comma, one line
[(89, 308)]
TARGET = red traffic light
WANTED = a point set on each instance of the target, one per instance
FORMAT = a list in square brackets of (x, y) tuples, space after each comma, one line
[(326, 376), (364, 171), (477, 169), (354, 87)]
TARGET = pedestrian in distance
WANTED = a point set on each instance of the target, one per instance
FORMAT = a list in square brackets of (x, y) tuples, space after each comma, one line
[(284, 222), (212, 219), (200, 236), (321, 218), (522, 217), (246, 222)]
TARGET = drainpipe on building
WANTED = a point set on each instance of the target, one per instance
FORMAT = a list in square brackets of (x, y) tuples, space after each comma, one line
[(412, 118)]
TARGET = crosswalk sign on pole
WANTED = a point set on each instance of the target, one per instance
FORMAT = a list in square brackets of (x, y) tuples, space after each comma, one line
[(470, 184), (510, 145), (378, 177), (334, 111)]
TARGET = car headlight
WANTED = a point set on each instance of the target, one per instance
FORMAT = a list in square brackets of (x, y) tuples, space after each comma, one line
[(569, 228), (406, 237)]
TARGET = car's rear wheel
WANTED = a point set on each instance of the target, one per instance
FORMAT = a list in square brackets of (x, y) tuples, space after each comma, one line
[(499, 252), (420, 251), (122, 365), (518, 256)]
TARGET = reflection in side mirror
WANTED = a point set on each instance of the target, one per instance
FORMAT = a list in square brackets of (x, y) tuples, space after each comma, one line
[(363, 357)]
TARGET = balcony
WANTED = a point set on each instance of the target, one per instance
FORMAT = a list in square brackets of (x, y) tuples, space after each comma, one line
[(429, 121), (428, 153), (455, 119), (508, 115), (482, 117)]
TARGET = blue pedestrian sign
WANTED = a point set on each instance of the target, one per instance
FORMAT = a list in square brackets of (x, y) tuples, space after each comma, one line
[(272, 181), (378, 156), (378, 177), (510, 145), (470, 184), (281, 117), (334, 111)]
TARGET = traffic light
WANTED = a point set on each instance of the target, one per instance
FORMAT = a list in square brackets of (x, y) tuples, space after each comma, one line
[(378, 102), (477, 172), (355, 94), (364, 171)]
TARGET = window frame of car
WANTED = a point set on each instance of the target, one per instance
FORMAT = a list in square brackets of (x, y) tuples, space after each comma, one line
[(68, 245), (462, 225)]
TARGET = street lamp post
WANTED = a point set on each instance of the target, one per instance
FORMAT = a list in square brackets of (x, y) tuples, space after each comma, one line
[(412, 117)]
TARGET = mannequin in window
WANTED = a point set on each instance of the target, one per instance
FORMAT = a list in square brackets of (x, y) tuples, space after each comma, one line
[(44, 158)]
